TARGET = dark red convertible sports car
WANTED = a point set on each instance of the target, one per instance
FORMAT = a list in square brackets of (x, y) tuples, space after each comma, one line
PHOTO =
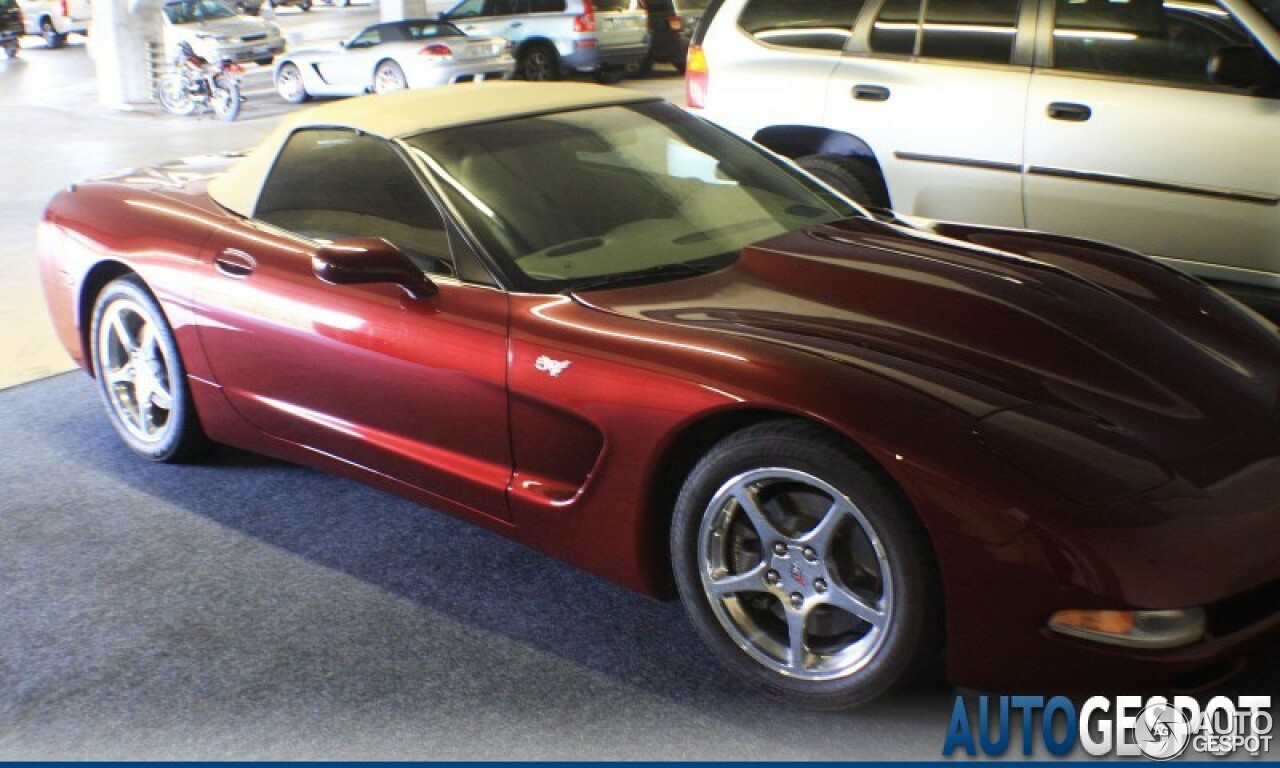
[(588, 320)]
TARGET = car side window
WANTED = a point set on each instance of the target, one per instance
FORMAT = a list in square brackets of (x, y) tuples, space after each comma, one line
[(1146, 39), (813, 24), (330, 184), (970, 30), (368, 38), (467, 9)]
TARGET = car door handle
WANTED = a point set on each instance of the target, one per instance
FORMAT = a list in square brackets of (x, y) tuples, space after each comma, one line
[(234, 263), (863, 92), (1073, 113)]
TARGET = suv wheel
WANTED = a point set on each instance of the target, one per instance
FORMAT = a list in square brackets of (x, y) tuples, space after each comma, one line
[(852, 176), (50, 34), (538, 63), (610, 75)]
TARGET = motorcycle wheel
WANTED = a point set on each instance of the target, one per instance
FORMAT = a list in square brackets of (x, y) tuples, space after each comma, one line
[(172, 95), (225, 98)]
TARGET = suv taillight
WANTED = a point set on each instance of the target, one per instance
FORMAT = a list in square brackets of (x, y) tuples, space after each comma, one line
[(675, 23), (696, 78), (586, 22), (64, 9)]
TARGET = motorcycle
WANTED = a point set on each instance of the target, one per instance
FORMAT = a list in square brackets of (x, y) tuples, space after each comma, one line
[(198, 84)]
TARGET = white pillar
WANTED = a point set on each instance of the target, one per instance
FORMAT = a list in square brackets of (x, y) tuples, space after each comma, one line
[(395, 10), (118, 37)]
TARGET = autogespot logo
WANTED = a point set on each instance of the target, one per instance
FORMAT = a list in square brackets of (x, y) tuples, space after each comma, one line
[(1126, 726)]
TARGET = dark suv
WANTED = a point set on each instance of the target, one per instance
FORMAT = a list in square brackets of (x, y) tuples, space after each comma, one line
[(671, 24), (10, 27)]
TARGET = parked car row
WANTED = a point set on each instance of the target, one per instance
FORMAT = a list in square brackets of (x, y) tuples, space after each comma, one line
[(605, 38), (415, 53), (1146, 123)]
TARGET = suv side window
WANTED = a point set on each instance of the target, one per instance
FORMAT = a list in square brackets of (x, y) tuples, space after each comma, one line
[(896, 28), (964, 30), (328, 184), (1143, 38), (970, 30), (814, 24), (547, 6)]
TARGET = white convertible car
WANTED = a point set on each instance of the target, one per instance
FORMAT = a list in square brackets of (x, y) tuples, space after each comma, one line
[(415, 53)]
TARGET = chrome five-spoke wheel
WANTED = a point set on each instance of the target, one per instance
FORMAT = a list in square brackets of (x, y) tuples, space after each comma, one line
[(795, 574), (140, 373), (803, 568)]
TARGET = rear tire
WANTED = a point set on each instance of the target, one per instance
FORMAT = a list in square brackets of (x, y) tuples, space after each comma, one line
[(388, 77), (140, 375), (305, 5), (853, 177), (610, 75), (538, 64), (52, 38), (225, 98)]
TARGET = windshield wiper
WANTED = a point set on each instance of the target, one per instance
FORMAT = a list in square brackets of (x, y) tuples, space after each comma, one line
[(640, 276)]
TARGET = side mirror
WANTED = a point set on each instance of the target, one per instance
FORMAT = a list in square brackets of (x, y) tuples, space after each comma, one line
[(363, 260), (1242, 66)]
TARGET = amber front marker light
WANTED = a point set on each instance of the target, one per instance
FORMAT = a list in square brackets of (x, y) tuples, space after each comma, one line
[(1134, 629)]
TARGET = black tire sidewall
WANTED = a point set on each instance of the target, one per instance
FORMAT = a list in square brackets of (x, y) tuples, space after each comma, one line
[(551, 59), (850, 176), (910, 635), (178, 441)]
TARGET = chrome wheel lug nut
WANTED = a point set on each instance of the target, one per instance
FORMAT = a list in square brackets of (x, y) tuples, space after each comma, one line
[(797, 599), (780, 549), (773, 578), (810, 554), (820, 585)]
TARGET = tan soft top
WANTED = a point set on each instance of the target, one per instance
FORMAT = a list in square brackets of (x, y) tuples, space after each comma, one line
[(405, 113)]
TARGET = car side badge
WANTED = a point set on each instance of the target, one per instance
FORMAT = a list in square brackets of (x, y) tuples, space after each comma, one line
[(552, 367)]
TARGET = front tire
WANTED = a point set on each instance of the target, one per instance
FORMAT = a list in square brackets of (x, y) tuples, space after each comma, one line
[(140, 375), (388, 76), (803, 570), (289, 84), (173, 97)]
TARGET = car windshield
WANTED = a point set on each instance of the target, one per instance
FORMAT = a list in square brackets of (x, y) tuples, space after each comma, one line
[(196, 11), (603, 195)]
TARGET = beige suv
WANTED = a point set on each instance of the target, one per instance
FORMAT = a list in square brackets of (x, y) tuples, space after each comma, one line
[(1150, 124)]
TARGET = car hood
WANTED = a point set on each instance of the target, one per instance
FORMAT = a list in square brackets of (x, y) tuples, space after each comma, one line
[(1145, 351)]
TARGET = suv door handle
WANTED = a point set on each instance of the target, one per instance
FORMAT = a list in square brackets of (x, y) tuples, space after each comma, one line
[(863, 92), (234, 262), (1074, 113)]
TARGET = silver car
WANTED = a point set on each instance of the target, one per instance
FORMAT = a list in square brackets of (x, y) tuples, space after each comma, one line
[(414, 53)]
